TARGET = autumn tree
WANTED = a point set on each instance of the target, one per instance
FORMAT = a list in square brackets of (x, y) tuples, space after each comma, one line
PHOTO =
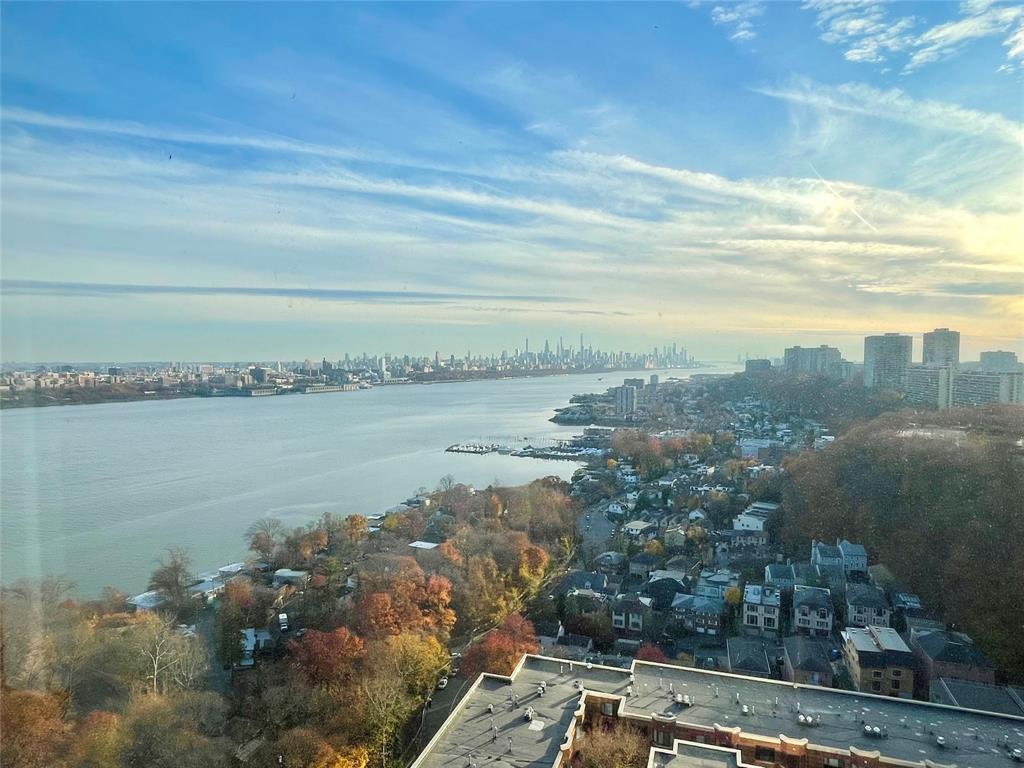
[(618, 747), (419, 659), (100, 742), (34, 731), (651, 652), (355, 529), (500, 650), (327, 658)]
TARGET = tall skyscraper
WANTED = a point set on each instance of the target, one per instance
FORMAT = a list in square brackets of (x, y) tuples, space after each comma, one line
[(885, 360), (941, 347)]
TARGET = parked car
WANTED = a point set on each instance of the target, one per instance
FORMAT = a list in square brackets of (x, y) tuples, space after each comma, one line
[(442, 683), (282, 621)]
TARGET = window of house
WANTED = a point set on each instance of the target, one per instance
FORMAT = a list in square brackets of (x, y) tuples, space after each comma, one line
[(876, 687), (877, 674), (833, 762), (897, 673), (608, 708), (663, 738), (764, 754)]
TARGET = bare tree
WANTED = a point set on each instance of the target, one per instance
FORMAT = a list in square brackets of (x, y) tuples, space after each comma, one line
[(173, 576), (189, 671), (160, 648)]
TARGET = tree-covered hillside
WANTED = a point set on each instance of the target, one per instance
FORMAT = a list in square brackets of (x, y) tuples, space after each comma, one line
[(939, 498)]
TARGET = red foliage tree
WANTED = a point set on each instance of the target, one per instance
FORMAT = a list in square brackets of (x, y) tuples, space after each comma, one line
[(500, 650), (327, 658), (649, 652)]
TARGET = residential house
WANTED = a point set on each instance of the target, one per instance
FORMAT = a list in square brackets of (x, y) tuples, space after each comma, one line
[(806, 661), (577, 645), (697, 516), (674, 535), (761, 609), (610, 562), (855, 557), (749, 520), (866, 606), (941, 653), (780, 575), (747, 656), (575, 580), (640, 530), (699, 614), (641, 565), (297, 579), (812, 611), (207, 589), (147, 601), (254, 642), (734, 539), (662, 591), (630, 613), (879, 661), (825, 554), (714, 584)]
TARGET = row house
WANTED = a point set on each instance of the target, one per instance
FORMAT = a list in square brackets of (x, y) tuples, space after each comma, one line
[(761, 609)]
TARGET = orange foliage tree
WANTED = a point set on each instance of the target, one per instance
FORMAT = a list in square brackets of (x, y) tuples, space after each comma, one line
[(327, 658), (500, 650)]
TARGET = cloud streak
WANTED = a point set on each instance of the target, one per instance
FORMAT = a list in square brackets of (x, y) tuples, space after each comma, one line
[(342, 295)]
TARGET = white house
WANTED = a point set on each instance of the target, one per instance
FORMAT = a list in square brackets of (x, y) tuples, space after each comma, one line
[(639, 528), (761, 608)]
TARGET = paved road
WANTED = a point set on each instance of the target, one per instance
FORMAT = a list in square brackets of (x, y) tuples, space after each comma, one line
[(594, 530)]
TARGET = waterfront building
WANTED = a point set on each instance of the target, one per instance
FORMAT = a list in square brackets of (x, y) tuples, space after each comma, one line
[(941, 348), (625, 400), (886, 359), (758, 365)]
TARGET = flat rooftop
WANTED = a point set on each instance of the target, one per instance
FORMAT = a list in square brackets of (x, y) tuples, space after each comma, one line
[(973, 739)]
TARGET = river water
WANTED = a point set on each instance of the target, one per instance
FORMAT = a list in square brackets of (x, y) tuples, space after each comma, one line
[(97, 492)]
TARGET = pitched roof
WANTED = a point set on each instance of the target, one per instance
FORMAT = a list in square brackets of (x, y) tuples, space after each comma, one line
[(950, 648), (812, 597), (806, 655), (866, 595), (747, 655)]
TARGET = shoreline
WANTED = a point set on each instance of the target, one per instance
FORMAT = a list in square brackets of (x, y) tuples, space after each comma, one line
[(141, 397)]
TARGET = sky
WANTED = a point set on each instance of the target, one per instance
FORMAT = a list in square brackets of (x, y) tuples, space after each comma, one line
[(227, 181)]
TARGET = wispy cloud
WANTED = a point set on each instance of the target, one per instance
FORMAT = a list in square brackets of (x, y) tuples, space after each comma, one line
[(738, 18), (870, 33), (896, 106), (344, 295), (346, 235)]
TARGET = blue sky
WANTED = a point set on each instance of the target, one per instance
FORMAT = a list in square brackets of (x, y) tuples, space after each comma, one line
[(232, 181)]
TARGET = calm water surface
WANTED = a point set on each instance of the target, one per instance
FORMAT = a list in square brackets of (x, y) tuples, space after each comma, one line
[(97, 492)]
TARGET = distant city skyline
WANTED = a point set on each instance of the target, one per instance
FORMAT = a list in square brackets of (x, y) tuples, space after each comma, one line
[(284, 181)]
